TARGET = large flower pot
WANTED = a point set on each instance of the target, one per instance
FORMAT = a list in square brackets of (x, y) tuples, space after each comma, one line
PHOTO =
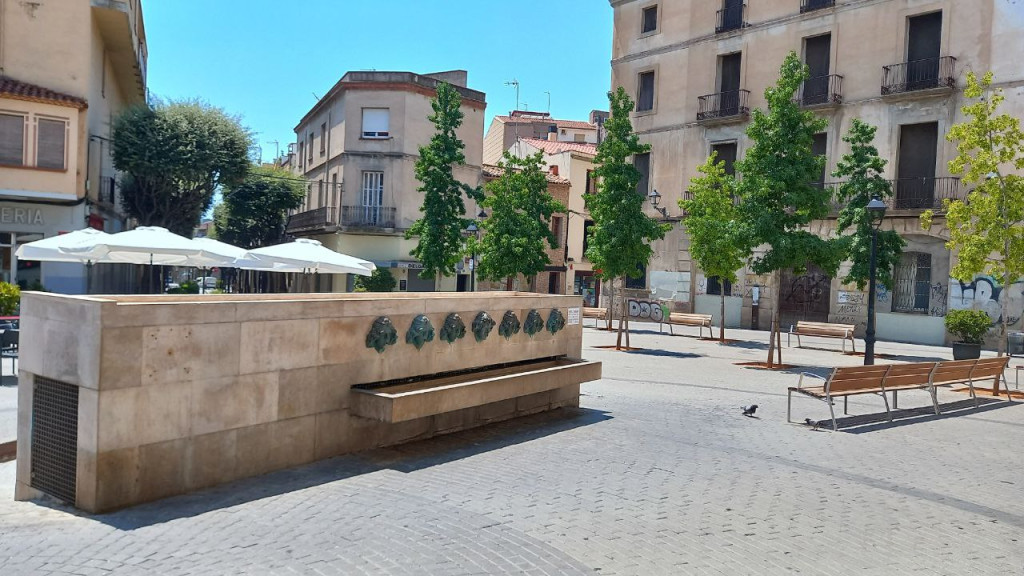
[(965, 351)]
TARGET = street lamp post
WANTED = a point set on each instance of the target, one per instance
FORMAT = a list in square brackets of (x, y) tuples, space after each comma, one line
[(876, 210), (655, 199), (475, 231)]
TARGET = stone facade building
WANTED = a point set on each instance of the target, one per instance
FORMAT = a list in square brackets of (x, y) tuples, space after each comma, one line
[(696, 68), (66, 69), (357, 148)]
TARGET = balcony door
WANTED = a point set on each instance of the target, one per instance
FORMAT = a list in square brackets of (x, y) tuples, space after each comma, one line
[(817, 56), (915, 188), (373, 197), (726, 152), (729, 83), (924, 45), (819, 147)]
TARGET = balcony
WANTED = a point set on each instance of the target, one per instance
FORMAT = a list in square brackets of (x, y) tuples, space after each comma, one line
[(312, 220), (120, 23), (924, 193), (812, 5), (723, 107), (107, 193), (822, 91), (368, 216), (729, 18), (920, 75)]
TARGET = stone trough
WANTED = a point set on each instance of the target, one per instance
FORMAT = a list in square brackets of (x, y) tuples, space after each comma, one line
[(127, 399)]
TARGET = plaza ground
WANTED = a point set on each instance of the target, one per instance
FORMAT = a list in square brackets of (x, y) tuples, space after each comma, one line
[(656, 473)]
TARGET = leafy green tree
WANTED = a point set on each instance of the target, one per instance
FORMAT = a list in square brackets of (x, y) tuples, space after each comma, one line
[(619, 242), (441, 243), (254, 211), (779, 198), (175, 156), (712, 222), (380, 280), (987, 230), (518, 229), (862, 170)]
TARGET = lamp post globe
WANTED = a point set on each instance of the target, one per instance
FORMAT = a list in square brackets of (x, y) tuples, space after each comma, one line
[(876, 211)]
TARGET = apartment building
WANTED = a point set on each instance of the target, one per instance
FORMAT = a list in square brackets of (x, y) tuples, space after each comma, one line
[(357, 148), (504, 130), (66, 69), (697, 67), (552, 279)]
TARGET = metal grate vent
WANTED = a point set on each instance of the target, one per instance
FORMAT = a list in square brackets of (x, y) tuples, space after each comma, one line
[(54, 438)]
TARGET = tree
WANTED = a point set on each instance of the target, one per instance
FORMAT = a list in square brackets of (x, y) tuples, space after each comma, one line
[(987, 230), (862, 170), (712, 222), (254, 211), (619, 242), (779, 198), (380, 280), (519, 226), (175, 156), (441, 243)]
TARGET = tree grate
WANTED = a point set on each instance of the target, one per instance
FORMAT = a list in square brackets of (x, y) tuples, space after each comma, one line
[(55, 438)]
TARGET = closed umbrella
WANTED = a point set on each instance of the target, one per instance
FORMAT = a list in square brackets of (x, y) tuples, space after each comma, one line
[(303, 255)]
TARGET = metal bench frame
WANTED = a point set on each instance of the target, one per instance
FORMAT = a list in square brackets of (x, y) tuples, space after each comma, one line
[(847, 335), (705, 322)]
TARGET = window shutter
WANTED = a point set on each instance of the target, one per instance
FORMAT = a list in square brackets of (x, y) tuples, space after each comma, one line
[(12, 139), (50, 140), (375, 122)]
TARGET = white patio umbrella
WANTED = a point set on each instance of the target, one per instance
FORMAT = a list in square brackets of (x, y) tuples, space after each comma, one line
[(54, 248), (152, 245), (218, 253), (306, 256)]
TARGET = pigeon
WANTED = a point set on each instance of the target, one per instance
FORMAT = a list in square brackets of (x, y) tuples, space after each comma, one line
[(811, 423), (749, 410)]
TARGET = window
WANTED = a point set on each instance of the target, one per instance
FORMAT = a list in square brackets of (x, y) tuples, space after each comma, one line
[(915, 170), (586, 236), (12, 139), (913, 278), (321, 199), (375, 122), (579, 137), (556, 228), (638, 283), (323, 138), (716, 286), (645, 92), (310, 150), (51, 139), (819, 147), (372, 197), (334, 190), (726, 152), (302, 153), (650, 20), (642, 162), (591, 183)]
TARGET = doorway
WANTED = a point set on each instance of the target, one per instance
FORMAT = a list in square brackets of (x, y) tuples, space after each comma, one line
[(804, 297)]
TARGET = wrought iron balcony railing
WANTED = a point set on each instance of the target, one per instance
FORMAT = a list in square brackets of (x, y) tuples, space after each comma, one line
[(729, 18), (822, 90), (924, 193), (723, 105), (315, 219), (812, 5), (368, 216), (926, 74), (107, 194)]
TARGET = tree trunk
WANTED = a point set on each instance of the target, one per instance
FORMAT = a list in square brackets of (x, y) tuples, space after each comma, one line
[(622, 316), (775, 338), (508, 284), (721, 321)]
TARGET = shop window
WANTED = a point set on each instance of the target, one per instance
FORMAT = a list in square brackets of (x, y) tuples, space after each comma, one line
[(912, 279)]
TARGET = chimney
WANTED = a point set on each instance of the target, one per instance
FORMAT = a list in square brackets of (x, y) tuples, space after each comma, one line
[(553, 133), (553, 169)]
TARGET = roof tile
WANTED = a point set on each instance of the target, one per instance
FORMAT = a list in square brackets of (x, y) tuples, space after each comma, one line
[(18, 90)]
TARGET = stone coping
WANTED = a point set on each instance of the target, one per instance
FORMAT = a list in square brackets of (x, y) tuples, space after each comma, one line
[(289, 297)]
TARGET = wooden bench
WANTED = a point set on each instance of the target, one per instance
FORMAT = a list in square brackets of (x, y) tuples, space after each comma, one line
[(596, 314), (854, 380), (701, 321), (823, 330)]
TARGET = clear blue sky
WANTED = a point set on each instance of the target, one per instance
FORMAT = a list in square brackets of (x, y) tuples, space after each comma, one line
[(264, 59)]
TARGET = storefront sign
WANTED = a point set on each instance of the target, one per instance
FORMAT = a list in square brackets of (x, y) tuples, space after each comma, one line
[(10, 215)]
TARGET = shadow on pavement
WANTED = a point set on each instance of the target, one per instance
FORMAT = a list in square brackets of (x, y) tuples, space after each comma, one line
[(8, 381), (746, 344), (664, 353), (404, 458), (864, 423)]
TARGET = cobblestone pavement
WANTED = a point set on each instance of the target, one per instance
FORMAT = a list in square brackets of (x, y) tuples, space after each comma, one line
[(657, 473)]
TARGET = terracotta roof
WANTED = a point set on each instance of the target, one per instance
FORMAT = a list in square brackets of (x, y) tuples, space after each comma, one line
[(491, 171), (550, 147), (571, 124), (17, 90)]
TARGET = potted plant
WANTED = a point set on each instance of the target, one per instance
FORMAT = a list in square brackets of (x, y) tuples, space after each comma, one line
[(970, 326)]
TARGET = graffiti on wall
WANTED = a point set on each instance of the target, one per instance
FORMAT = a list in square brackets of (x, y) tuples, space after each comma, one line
[(881, 293), (646, 309), (985, 293)]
